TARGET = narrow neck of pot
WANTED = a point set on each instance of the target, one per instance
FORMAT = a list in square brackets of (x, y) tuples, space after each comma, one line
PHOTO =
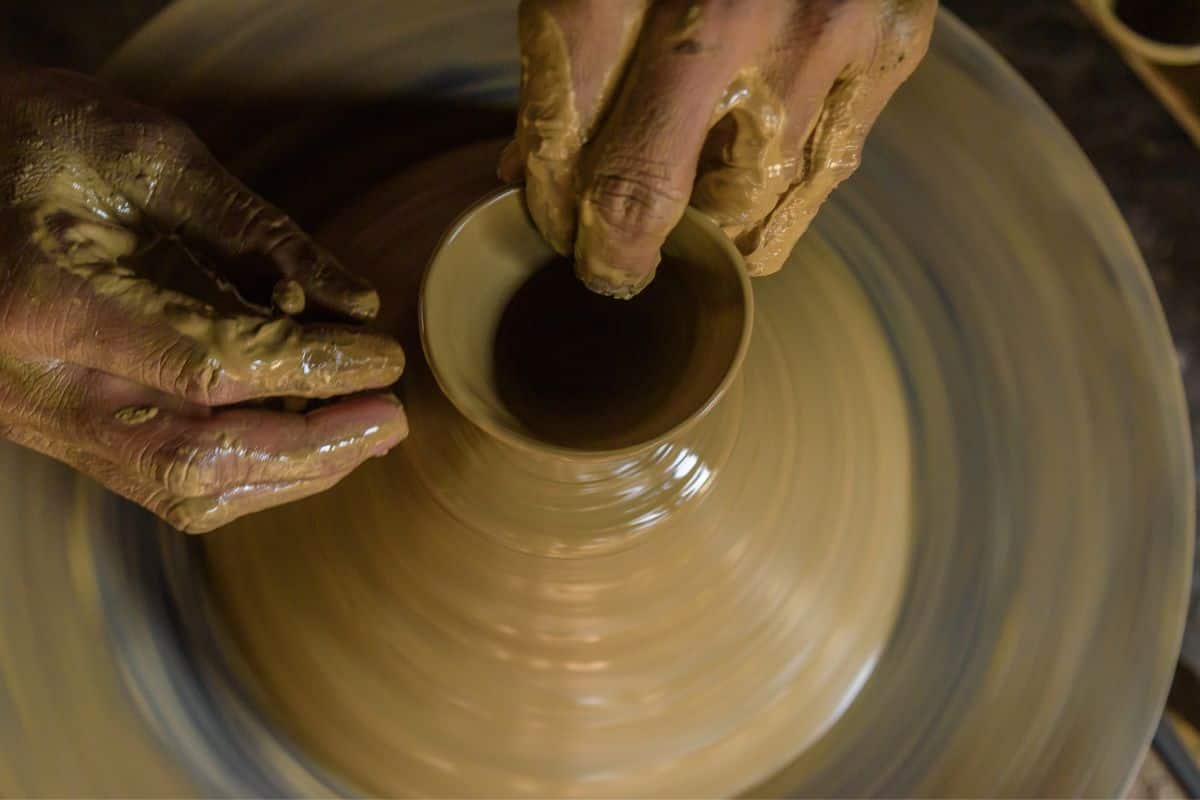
[(553, 503)]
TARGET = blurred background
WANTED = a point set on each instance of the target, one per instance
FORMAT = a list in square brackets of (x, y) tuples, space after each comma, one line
[(1115, 73)]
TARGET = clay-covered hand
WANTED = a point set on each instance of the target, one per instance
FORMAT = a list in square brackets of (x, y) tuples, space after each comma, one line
[(754, 110), (124, 378)]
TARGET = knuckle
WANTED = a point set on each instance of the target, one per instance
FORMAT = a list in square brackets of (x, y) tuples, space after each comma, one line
[(181, 466), (85, 425), (275, 232), (41, 395), (13, 401), (12, 322), (637, 199), (198, 384), (197, 377), (170, 134)]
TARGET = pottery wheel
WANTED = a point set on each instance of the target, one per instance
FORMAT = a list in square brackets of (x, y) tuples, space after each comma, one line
[(934, 540)]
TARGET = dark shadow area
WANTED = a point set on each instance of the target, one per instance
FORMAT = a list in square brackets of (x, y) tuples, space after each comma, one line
[(314, 157), (71, 34), (582, 370)]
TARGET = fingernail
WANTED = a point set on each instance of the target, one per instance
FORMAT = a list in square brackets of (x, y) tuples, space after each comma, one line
[(598, 249), (394, 429), (288, 296), (609, 281)]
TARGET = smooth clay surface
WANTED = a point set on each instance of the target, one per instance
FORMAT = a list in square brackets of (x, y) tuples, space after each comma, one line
[(935, 542), (469, 618)]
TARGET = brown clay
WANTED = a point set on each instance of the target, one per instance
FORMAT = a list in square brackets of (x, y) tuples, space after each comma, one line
[(568, 585)]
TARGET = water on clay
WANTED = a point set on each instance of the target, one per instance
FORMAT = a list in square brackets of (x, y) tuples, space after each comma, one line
[(583, 371)]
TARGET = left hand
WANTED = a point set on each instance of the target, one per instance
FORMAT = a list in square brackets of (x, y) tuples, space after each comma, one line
[(143, 385), (753, 110)]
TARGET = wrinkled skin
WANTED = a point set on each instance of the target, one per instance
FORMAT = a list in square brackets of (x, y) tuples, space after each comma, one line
[(131, 382), (751, 110)]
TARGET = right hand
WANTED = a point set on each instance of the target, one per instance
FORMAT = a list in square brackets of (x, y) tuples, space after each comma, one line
[(750, 111), (128, 381)]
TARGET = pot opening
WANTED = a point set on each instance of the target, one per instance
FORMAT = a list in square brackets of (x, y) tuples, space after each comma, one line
[(528, 354), (587, 372)]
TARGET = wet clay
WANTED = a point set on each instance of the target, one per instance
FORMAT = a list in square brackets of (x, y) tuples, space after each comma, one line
[(744, 167), (548, 128), (579, 370), (570, 70), (1041, 615), (788, 92), (467, 616), (99, 238), (135, 415), (77, 144)]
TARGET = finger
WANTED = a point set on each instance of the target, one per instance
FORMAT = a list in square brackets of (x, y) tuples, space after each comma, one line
[(127, 158), (206, 514), (177, 183), (288, 297), (104, 317), (639, 172), (220, 360), (187, 514), (755, 152), (193, 451), (835, 153), (836, 148), (198, 456), (835, 145), (114, 477), (572, 56)]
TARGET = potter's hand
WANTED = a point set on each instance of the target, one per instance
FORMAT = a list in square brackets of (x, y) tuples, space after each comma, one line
[(754, 110), (123, 379)]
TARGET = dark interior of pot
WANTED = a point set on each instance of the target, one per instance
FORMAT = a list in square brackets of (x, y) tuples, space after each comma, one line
[(527, 353)]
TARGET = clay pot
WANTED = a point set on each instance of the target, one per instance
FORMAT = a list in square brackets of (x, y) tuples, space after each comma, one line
[(494, 249), (606, 589)]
